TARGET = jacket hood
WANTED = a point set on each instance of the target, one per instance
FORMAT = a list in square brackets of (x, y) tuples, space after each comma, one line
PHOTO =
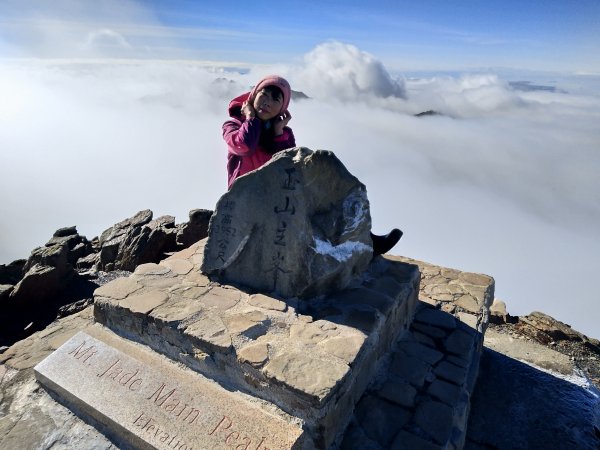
[(279, 82), (235, 105)]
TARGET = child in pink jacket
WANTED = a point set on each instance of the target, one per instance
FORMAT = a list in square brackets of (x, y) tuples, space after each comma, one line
[(258, 129), (258, 126)]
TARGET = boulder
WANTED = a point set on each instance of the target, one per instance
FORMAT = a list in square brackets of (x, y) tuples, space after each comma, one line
[(110, 240), (498, 312), (40, 284), (137, 240), (54, 255), (61, 252), (298, 227), (546, 329), (78, 246), (5, 290), (30, 301), (13, 272), (87, 262), (197, 228)]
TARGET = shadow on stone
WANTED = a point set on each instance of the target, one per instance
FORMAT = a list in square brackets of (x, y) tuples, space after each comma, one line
[(516, 406)]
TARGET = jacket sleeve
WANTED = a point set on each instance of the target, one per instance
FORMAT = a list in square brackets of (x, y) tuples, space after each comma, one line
[(285, 140), (241, 137)]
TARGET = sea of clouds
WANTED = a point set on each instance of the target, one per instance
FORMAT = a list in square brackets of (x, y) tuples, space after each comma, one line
[(503, 181)]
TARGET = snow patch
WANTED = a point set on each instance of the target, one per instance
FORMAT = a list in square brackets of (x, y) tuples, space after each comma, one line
[(578, 378), (354, 209), (340, 252)]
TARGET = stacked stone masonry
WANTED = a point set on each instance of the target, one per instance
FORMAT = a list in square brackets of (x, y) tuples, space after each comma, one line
[(313, 359), (419, 400), (422, 398)]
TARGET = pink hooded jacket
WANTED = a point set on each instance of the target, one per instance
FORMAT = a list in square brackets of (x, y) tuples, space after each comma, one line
[(246, 150)]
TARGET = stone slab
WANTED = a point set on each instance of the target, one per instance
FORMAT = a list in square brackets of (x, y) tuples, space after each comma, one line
[(311, 359), (298, 226), (149, 402)]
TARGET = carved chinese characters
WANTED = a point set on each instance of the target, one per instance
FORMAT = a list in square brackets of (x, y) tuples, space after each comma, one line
[(297, 227)]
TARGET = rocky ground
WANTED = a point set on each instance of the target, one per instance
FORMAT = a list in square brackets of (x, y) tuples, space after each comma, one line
[(538, 385), (582, 352)]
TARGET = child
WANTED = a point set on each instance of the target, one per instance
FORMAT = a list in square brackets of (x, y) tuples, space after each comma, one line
[(258, 129), (258, 126)]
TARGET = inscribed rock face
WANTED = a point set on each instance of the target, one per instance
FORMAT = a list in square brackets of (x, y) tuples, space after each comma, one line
[(298, 227)]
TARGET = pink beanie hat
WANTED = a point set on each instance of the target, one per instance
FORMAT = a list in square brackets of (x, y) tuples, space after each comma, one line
[(274, 80)]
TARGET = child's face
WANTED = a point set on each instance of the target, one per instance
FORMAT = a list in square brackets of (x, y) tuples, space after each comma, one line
[(266, 106)]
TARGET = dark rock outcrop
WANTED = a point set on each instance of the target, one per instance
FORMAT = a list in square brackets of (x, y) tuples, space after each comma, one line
[(13, 272), (191, 232), (56, 275), (32, 300), (139, 239), (113, 240)]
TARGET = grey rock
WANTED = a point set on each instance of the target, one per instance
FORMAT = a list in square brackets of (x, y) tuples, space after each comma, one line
[(66, 231), (355, 437), (380, 419), (436, 318), (195, 229), (78, 246), (298, 226), (137, 240), (460, 343), (446, 392), (5, 290), (410, 368), (54, 255), (435, 419), (477, 279), (451, 372), (422, 338), (62, 252), (397, 392), (420, 351), (119, 229), (432, 332), (498, 312), (87, 262), (13, 272), (544, 328), (40, 284)]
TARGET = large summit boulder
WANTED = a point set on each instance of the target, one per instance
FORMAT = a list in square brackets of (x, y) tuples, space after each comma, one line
[(298, 227)]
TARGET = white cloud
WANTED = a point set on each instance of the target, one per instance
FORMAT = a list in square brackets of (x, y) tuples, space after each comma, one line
[(505, 183), (106, 38), (73, 29), (344, 72)]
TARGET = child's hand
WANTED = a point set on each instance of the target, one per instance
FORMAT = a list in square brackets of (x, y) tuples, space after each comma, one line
[(280, 122), (248, 110)]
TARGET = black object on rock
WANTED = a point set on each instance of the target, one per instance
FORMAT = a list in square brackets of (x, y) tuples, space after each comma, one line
[(383, 244)]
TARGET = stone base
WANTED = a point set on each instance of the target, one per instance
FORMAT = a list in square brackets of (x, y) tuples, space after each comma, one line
[(313, 359), (142, 400)]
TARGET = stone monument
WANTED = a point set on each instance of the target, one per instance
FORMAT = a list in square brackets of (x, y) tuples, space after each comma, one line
[(299, 229)]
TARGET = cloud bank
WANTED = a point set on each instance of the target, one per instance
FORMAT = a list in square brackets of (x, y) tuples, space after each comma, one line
[(334, 70), (502, 181)]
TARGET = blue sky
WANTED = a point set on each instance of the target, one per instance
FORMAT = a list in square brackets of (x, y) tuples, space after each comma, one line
[(552, 35)]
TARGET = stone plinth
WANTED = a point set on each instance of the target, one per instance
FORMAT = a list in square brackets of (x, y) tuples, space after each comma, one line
[(311, 359), (424, 400), (149, 402)]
